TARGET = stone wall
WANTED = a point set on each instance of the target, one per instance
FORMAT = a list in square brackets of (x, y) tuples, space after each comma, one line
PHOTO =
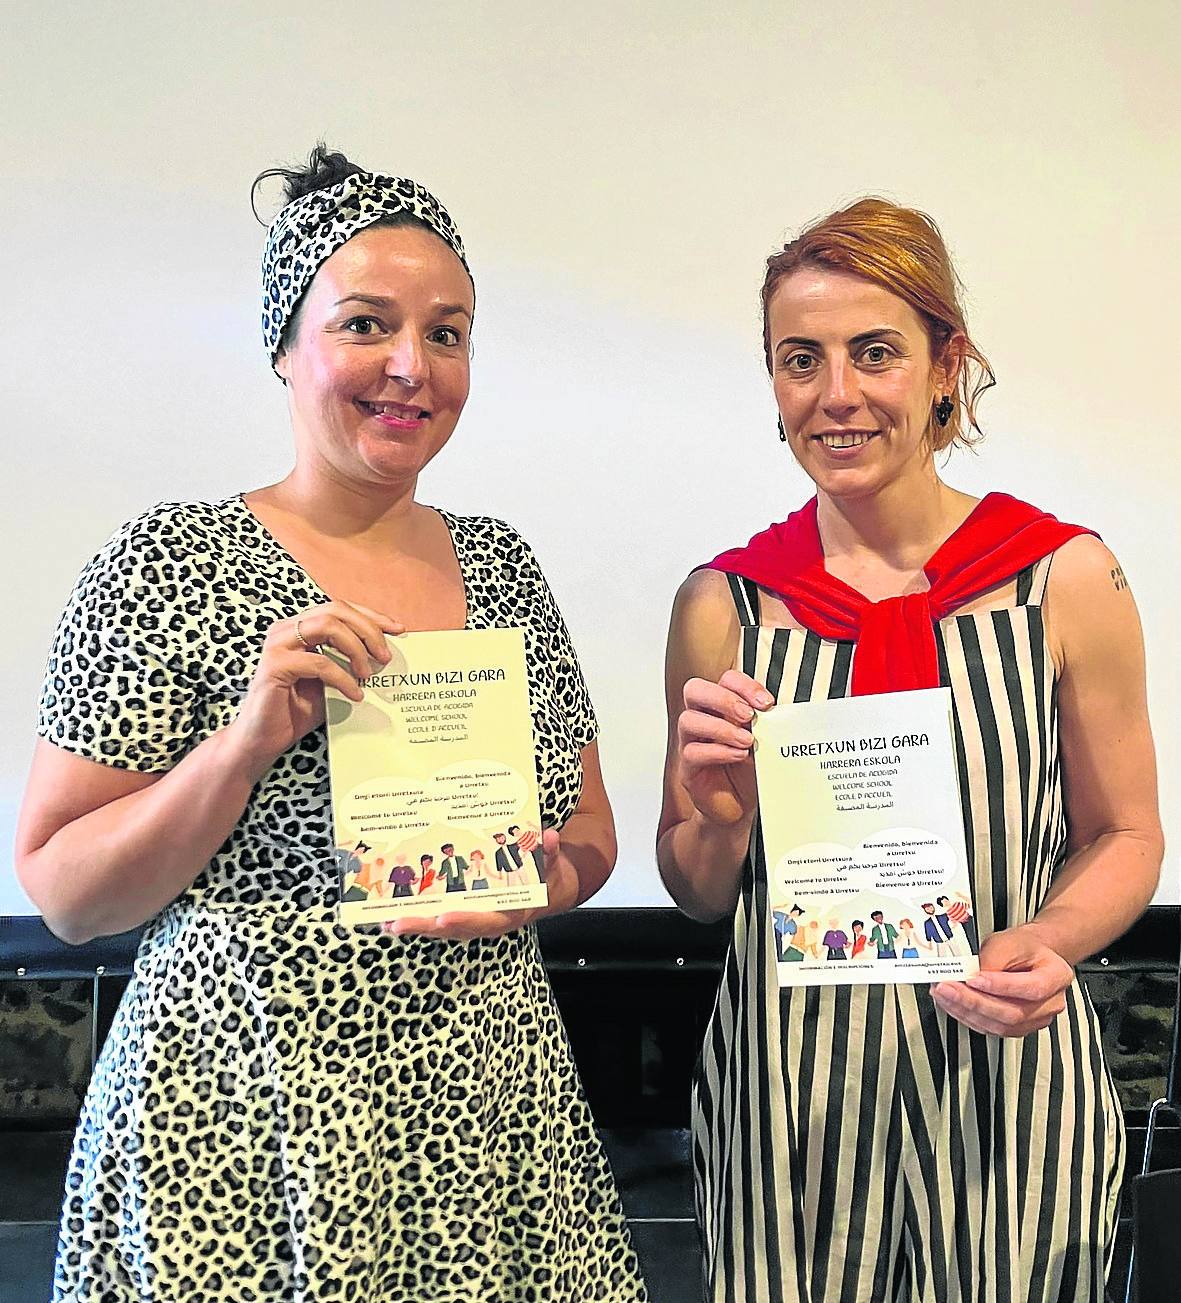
[(1136, 1012), (45, 1041), (44, 1050)]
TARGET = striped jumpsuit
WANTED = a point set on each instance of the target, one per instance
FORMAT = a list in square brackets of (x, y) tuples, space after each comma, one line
[(854, 1144)]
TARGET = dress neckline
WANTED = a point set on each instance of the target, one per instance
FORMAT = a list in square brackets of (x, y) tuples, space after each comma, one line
[(924, 569), (281, 554)]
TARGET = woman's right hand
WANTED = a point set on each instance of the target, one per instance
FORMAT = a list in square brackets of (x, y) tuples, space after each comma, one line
[(285, 699), (714, 741)]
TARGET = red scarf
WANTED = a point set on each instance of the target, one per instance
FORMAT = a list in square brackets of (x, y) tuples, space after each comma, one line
[(896, 637)]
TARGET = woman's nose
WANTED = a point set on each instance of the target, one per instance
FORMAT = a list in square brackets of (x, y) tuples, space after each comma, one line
[(406, 361), (842, 394)]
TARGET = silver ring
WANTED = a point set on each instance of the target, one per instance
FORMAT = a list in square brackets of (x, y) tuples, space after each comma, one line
[(307, 646)]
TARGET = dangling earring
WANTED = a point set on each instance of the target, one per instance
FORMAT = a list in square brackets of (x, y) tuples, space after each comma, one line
[(782, 431), (944, 410)]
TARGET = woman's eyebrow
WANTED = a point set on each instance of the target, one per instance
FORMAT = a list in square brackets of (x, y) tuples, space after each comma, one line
[(879, 332), (383, 301), (374, 300)]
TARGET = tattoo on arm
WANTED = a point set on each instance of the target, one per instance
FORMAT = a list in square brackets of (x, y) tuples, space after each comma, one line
[(1118, 579)]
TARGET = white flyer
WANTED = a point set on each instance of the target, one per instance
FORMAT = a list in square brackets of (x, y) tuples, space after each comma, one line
[(863, 833)]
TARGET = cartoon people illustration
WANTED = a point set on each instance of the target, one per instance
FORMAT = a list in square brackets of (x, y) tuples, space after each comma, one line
[(527, 842), (369, 878), (426, 877), (812, 939), (402, 877), (505, 864), (508, 859), (910, 942), (379, 876), (943, 921), (958, 912), (536, 850), (353, 893), (479, 871), (859, 939), (786, 924), (883, 936), (836, 940), (453, 868), (348, 866), (936, 929)]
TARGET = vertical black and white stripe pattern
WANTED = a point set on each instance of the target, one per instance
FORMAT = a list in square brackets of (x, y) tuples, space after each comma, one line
[(853, 1144)]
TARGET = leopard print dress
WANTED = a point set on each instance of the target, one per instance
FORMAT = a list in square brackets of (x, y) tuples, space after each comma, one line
[(285, 1108)]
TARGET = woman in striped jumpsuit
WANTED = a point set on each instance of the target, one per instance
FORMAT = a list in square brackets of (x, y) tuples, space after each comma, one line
[(960, 1141)]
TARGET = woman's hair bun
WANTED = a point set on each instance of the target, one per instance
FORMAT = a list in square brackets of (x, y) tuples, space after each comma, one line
[(325, 167)]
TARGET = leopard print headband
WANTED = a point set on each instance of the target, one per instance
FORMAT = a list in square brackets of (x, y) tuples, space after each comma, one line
[(310, 229)]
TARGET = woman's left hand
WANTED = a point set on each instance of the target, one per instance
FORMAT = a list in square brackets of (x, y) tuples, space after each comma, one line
[(1019, 989), (561, 880)]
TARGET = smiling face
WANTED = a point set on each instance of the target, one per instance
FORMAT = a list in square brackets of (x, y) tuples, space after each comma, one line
[(377, 373), (854, 380)]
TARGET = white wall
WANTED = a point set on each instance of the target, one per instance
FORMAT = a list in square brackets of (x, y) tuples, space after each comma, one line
[(619, 176)]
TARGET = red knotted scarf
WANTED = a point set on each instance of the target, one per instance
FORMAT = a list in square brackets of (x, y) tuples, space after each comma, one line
[(896, 637)]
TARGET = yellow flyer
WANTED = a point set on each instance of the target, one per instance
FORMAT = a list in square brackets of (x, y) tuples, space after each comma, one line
[(434, 783), (864, 838)]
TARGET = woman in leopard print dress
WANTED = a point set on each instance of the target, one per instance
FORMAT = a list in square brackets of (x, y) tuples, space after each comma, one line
[(288, 1109)]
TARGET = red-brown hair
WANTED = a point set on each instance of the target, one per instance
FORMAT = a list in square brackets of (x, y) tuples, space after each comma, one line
[(901, 250)]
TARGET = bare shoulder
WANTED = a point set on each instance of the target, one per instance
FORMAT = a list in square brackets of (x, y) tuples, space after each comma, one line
[(705, 595), (704, 609), (1083, 564), (1089, 601), (703, 632)]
